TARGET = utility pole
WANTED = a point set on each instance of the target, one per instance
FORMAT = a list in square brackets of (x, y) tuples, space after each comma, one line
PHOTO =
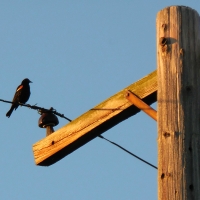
[(177, 83), (178, 60)]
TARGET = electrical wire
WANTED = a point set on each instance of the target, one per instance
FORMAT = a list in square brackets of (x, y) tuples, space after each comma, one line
[(39, 109), (52, 110), (128, 152)]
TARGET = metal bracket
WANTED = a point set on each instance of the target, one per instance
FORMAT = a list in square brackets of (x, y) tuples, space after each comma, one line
[(135, 100)]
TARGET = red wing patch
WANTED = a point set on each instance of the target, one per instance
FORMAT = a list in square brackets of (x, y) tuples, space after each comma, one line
[(19, 88)]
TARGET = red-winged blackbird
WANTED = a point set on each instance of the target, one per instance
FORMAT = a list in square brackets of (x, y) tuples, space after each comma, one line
[(22, 95)]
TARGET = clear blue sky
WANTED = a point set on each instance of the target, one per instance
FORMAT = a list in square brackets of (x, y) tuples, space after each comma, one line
[(77, 54)]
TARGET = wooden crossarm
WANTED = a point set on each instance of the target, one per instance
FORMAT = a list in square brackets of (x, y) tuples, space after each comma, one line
[(94, 122)]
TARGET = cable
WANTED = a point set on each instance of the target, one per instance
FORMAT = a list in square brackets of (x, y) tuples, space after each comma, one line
[(52, 110), (39, 109), (128, 152)]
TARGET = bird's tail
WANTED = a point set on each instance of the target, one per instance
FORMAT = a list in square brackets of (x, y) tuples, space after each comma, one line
[(10, 111)]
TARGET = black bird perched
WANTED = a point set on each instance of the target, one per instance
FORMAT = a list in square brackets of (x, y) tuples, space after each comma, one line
[(22, 95)]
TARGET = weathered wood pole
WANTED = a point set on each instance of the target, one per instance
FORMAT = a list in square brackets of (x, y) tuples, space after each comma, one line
[(178, 60)]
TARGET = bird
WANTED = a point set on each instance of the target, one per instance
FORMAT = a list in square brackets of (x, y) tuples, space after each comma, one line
[(22, 95)]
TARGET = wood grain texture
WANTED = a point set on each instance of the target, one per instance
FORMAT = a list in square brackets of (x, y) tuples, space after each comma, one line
[(94, 122), (178, 59)]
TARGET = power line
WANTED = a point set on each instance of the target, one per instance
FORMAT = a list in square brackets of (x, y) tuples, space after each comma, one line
[(52, 110), (39, 109)]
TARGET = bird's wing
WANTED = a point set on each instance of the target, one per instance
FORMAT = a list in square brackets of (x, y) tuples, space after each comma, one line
[(19, 88)]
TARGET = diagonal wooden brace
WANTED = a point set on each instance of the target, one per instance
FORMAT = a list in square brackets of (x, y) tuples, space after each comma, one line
[(141, 104)]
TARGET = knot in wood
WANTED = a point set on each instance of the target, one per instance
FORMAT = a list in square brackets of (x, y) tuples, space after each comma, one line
[(181, 52), (164, 26), (190, 148), (166, 134), (188, 88), (163, 41), (191, 187), (162, 176)]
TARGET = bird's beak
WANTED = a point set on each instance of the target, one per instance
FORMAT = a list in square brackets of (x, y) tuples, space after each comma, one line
[(30, 81)]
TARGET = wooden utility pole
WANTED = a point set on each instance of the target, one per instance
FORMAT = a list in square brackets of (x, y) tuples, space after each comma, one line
[(178, 59), (178, 116)]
